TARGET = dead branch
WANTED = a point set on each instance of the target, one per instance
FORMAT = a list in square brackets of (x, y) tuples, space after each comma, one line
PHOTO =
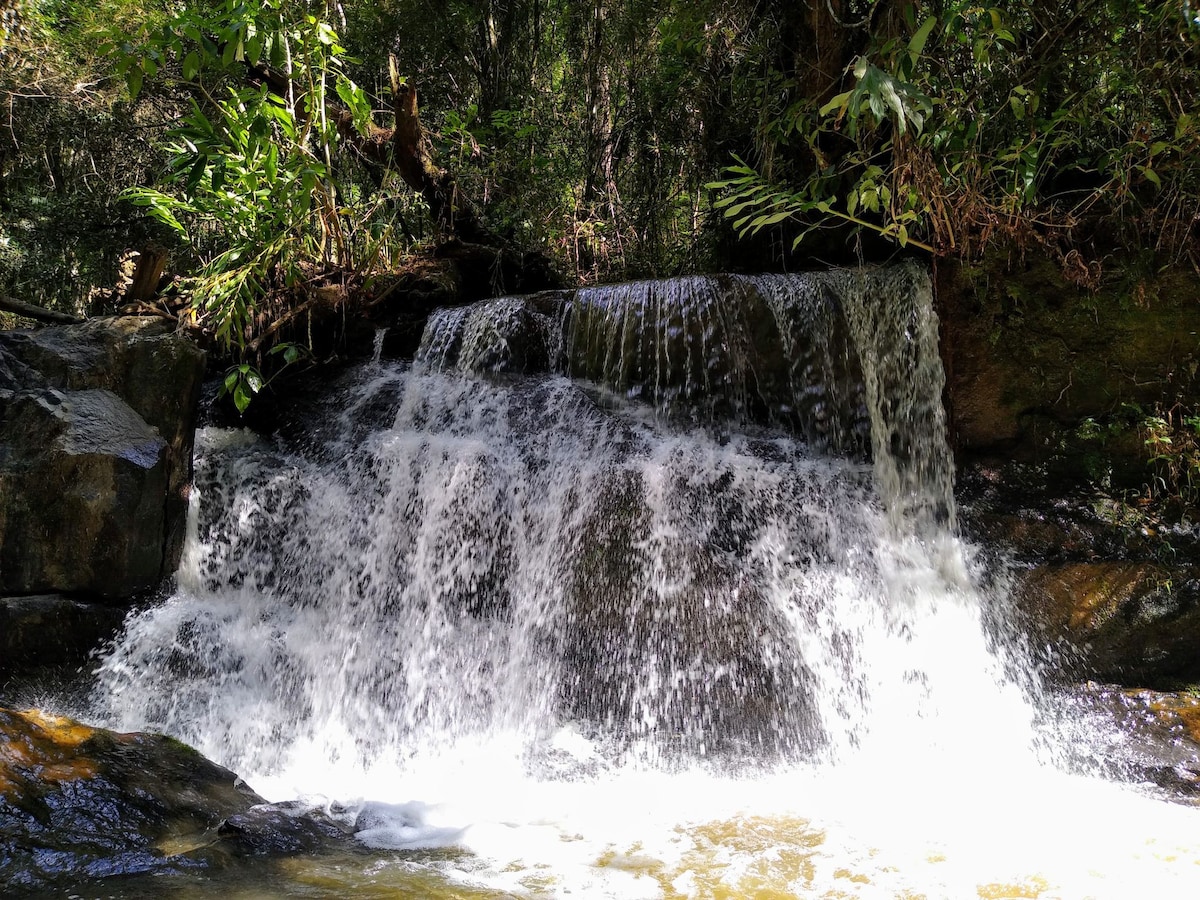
[(29, 311)]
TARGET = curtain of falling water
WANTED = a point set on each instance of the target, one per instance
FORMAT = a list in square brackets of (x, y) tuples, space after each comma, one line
[(443, 556)]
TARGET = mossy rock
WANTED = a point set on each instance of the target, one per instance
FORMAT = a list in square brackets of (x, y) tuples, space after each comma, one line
[(1025, 348), (80, 803)]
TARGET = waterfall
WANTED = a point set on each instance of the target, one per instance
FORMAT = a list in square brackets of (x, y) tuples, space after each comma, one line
[(514, 555), (674, 529)]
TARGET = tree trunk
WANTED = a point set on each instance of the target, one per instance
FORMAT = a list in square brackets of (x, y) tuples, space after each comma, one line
[(453, 213), (147, 273), (822, 51)]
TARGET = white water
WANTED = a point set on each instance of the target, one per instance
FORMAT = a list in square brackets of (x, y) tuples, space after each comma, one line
[(613, 657)]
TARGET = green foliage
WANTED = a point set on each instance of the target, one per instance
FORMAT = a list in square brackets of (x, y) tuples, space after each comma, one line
[(883, 94), (1172, 440), (243, 381), (1169, 442), (246, 186), (252, 186), (958, 128), (70, 143), (592, 130), (760, 203), (12, 23), (587, 129)]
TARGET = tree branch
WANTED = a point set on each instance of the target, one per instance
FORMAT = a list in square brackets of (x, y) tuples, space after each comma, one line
[(29, 311)]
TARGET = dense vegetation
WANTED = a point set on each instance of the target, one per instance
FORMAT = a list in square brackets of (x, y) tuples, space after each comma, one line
[(275, 152), (624, 138)]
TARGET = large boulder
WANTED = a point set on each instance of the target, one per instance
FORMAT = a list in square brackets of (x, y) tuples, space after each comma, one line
[(96, 429), (79, 802), (79, 805)]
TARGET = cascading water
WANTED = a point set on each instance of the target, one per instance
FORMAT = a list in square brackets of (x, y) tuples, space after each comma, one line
[(632, 647)]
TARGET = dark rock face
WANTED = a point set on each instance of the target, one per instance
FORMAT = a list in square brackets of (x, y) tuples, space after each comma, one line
[(720, 348), (1047, 384), (51, 630), (96, 427), (1037, 519), (83, 494), (718, 621), (1027, 352), (81, 803)]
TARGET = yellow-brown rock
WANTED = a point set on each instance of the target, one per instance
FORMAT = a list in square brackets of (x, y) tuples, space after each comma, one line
[(78, 802), (1133, 623)]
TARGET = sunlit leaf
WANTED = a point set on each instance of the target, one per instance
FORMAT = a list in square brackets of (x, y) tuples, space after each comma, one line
[(191, 65), (916, 46), (838, 102), (241, 397)]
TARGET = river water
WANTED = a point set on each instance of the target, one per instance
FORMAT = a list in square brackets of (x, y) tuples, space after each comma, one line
[(665, 620)]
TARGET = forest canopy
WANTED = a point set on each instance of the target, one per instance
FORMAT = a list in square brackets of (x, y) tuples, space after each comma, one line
[(264, 143)]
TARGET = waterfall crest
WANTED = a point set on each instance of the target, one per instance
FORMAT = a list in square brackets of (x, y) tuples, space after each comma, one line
[(847, 360)]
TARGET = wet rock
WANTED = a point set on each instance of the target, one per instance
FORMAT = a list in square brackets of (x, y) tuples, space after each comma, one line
[(737, 689), (279, 829), (1131, 623), (1034, 518), (77, 628), (1178, 715), (80, 803), (772, 350), (517, 335), (96, 427), (1142, 736)]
